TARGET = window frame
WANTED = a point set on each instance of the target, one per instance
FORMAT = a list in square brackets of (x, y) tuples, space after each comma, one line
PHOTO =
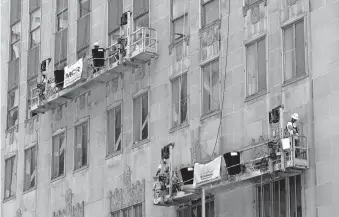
[(211, 111), (78, 124), (31, 31), (58, 134), (61, 13), (203, 23), (172, 80), (15, 107), (13, 170), (283, 29), (136, 97), (247, 45), (113, 109), (30, 85), (84, 51), (30, 188), (16, 41), (119, 213), (195, 204), (79, 8)]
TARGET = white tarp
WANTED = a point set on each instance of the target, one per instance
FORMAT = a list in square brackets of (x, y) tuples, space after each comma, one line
[(206, 173), (73, 73)]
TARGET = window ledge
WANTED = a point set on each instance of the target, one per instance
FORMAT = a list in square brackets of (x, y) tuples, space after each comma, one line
[(53, 180), (179, 127), (83, 168), (295, 79), (9, 199), (114, 154), (29, 190), (256, 95), (205, 62), (210, 114), (137, 144)]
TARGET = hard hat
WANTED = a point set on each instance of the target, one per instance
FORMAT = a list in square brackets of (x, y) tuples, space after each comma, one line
[(96, 44), (295, 116)]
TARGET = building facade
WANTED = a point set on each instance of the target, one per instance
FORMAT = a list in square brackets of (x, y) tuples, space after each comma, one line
[(205, 79)]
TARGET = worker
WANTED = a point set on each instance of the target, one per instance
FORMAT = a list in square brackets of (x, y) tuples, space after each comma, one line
[(292, 128)]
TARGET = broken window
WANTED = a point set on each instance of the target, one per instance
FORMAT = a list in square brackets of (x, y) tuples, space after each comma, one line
[(140, 117), (272, 198), (58, 152), (15, 40), (194, 210), (10, 177), (256, 67), (210, 83), (179, 19), (294, 50), (179, 100), (81, 145), (35, 28), (83, 29), (114, 132), (210, 11), (30, 168), (12, 108)]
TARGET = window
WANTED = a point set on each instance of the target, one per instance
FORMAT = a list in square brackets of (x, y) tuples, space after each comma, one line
[(210, 11), (81, 145), (10, 177), (35, 28), (210, 83), (132, 211), (58, 158), (194, 210), (15, 11), (179, 100), (272, 198), (294, 50), (62, 14), (15, 40), (180, 19), (114, 132), (31, 90), (256, 67), (115, 8), (12, 108), (141, 13), (30, 168), (140, 118), (84, 7)]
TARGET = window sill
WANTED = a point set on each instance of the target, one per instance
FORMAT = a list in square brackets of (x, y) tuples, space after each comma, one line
[(179, 127), (256, 95), (137, 144), (210, 114), (9, 199), (109, 156), (205, 62), (29, 190), (83, 168), (294, 80), (53, 180)]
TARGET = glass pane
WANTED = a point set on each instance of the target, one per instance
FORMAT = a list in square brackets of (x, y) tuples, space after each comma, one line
[(283, 207), (211, 12), (179, 8), (84, 7), (55, 157), (118, 128), (142, 21), (35, 38), (27, 169), (175, 101), (300, 48), (84, 143), (35, 19), (15, 50), (78, 147), (62, 154), (144, 117), (13, 98), (289, 53), (267, 200), (183, 98), (215, 86), (8, 177), (16, 32), (62, 20), (276, 198), (61, 4), (206, 89), (179, 29), (137, 119), (12, 118), (262, 65), (252, 69), (298, 196), (33, 167), (110, 131), (113, 37), (292, 197)]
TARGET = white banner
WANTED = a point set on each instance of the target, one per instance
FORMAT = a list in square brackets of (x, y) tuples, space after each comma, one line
[(73, 73), (206, 173)]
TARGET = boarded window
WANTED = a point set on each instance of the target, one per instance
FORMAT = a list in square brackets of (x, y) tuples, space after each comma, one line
[(12, 108), (115, 8), (272, 198), (58, 158), (30, 168), (210, 11), (84, 7), (294, 51), (256, 67), (140, 118), (31, 87), (15, 11), (179, 100), (114, 132), (15, 41), (81, 145), (35, 21), (83, 36), (10, 177), (210, 83)]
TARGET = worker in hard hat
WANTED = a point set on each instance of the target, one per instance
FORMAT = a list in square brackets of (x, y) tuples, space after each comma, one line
[(292, 128)]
